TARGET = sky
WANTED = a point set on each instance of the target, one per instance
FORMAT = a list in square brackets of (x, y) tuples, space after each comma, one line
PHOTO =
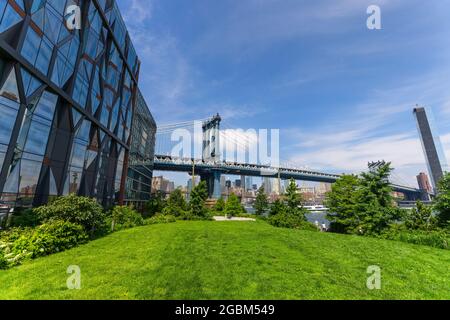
[(342, 95)]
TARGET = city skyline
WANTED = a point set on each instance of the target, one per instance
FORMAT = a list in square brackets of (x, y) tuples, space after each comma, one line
[(340, 99)]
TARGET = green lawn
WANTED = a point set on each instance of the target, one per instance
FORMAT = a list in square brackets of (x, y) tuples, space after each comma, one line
[(233, 260)]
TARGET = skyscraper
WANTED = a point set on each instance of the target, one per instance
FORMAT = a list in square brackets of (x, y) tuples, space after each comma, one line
[(248, 183), (431, 145), (67, 101), (267, 182), (425, 186), (424, 183)]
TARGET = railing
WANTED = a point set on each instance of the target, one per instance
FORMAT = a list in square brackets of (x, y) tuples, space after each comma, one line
[(238, 166)]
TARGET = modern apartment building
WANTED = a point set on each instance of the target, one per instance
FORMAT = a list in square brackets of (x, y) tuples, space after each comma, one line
[(68, 97), (432, 147)]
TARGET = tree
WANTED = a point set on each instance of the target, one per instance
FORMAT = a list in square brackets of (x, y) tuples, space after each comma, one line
[(277, 207), (199, 196), (420, 218), (363, 205), (294, 200), (442, 201), (233, 206), (341, 202), (176, 204), (261, 203), (375, 206), (220, 205), (156, 204)]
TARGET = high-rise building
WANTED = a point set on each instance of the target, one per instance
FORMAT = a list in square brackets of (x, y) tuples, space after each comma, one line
[(432, 147), (223, 181), (267, 182), (163, 185), (248, 183), (141, 155), (424, 183), (67, 100)]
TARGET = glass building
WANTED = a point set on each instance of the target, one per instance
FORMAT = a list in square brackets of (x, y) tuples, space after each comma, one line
[(431, 144), (67, 99), (141, 156)]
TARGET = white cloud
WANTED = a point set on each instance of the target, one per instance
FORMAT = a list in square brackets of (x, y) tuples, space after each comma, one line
[(445, 140), (138, 12), (375, 130), (404, 151)]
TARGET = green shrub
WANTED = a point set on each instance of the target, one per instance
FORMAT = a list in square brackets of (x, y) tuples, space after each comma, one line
[(437, 238), (189, 216), (155, 205), (52, 237), (219, 207), (291, 221), (123, 217), (3, 262), (9, 258), (158, 219), (175, 211), (19, 244), (83, 211), (25, 218)]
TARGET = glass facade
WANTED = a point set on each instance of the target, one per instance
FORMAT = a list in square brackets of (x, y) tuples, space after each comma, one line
[(431, 144), (142, 152), (67, 102)]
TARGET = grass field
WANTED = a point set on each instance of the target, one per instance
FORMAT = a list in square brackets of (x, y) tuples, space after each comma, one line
[(233, 260)]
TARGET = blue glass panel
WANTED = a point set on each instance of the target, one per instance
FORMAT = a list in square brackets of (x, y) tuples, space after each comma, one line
[(29, 49), (9, 19), (44, 57), (7, 120), (29, 176), (46, 106), (37, 138), (3, 149)]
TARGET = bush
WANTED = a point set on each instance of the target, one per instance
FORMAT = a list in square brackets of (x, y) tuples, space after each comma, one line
[(420, 218), (123, 217), (219, 206), (49, 238), (19, 244), (159, 219), (437, 239), (83, 211), (291, 221), (25, 218), (189, 216), (155, 205), (3, 262)]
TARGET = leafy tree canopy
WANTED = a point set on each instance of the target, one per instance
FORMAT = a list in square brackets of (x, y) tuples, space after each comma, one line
[(261, 203)]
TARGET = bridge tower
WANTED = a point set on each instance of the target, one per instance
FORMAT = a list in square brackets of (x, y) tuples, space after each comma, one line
[(211, 154), (211, 139)]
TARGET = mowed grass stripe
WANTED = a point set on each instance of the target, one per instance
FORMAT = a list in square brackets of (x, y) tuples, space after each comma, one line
[(233, 260)]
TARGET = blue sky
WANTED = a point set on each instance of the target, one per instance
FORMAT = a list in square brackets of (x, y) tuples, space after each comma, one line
[(342, 95)]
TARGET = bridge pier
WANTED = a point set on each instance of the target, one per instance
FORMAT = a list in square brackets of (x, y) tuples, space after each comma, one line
[(212, 180)]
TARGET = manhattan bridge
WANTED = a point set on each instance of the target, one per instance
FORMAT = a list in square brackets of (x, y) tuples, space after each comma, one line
[(211, 135)]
